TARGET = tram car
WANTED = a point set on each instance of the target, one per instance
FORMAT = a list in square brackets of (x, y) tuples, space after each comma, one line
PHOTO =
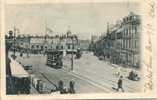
[(54, 59)]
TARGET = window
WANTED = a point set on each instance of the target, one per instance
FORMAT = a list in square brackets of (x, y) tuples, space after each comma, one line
[(72, 46), (132, 43), (123, 43), (61, 47), (132, 31), (131, 18), (135, 30), (41, 47), (37, 46), (134, 17), (129, 43), (135, 43), (68, 46), (57, 47), (126, 32), (32, 46), (45, 47), (118, 35), (126, 43)]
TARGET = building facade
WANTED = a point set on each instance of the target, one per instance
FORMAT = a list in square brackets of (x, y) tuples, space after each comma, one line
[(40, 44), (121, 45), (130, 52)]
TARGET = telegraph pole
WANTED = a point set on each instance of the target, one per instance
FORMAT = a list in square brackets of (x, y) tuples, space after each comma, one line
[(72, 63), (72, 56), (14, 42)]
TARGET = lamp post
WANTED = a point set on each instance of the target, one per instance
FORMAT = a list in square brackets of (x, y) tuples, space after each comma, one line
[(14, 40), (72, 56), (14, 32)]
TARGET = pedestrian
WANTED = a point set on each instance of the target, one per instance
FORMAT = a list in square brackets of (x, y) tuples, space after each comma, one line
[(131, 75), (120, 84), (60, 86), (71, 89)]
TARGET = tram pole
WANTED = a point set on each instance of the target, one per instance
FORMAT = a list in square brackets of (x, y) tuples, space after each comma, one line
[(72, 62), (14, 40), (14, 32), (72, 56)]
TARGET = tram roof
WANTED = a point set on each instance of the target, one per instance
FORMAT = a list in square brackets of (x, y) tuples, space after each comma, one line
[(17, 70)]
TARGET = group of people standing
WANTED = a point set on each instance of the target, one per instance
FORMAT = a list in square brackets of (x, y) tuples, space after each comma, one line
[(65, 90)]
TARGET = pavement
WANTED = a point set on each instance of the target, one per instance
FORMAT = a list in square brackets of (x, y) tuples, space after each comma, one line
[(90, 74)]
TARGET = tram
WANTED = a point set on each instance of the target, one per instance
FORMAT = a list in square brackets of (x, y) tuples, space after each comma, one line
[(54, 59)]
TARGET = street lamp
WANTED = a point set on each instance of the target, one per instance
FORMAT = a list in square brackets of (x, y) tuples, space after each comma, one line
[(72, 56), (14, 57)]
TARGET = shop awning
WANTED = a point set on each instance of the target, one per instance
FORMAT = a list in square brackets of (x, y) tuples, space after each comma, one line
[(17, 70)]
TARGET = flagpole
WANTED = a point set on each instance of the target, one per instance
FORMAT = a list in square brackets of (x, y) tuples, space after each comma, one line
[(45, 27), (45, 35)]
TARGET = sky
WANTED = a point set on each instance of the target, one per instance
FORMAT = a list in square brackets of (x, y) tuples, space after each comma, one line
[(84, 19)]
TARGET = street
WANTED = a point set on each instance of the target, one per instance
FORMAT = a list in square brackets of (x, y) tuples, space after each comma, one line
[(102, 73), (90, 74)]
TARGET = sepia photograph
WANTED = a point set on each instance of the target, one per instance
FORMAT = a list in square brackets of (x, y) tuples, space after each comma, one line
[(73, 48), (78, 49)]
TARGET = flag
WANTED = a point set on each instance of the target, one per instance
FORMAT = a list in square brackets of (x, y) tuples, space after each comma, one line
[(48, 30)]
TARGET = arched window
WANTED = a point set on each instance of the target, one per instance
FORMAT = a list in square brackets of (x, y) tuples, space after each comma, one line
[(68, 46), (61, 47), (41, 47), (32, 46), (37, 46), (57, 47)]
